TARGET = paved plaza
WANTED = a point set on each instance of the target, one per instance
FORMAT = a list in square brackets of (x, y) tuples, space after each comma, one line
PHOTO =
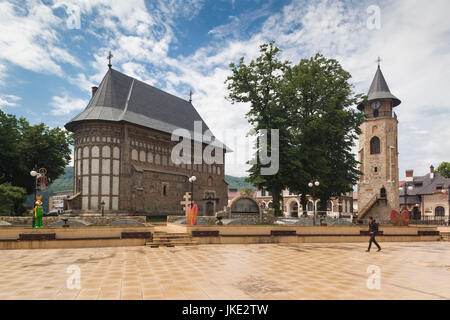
[(263, 271)]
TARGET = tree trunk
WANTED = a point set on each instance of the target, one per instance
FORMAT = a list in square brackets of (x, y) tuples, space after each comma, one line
[(304, 203), (276, 197)]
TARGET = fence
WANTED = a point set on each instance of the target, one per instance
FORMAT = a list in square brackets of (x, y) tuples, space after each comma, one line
[(425, 221), (432, 221)]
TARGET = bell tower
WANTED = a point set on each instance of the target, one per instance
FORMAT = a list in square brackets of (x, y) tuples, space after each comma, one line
[(378, 191)]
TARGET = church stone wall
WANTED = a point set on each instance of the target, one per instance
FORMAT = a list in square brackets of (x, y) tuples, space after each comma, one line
[(96, 161), (130, 169)]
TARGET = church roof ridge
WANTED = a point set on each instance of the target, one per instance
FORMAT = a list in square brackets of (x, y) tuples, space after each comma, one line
[(120, 97)]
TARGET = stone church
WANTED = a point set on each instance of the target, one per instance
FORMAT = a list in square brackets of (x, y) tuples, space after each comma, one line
[(378, 191), (123, 152)]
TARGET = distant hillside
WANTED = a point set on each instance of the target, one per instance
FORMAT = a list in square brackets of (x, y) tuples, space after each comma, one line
[(238, 183), (65, 183)]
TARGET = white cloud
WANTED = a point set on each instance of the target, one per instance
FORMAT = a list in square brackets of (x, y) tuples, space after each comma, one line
[(9, 100), (413, 42), (29, 37), (66, 105)]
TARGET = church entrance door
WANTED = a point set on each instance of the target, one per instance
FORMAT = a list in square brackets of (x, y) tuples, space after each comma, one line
[(209, 208)]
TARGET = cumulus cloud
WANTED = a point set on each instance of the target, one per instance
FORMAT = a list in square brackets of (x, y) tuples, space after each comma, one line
[(66, 105), (29, 37), (413, 42), (8, 100)]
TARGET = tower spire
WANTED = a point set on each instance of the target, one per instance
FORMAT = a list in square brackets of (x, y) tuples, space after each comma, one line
[(379, 89)]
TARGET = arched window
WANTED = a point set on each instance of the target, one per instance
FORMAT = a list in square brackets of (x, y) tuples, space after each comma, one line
[(376, 113), (209, 208), (329, 205), (210, 181), (310, 206), (375, 145), (294, 209), (439, 212), (383, 193)]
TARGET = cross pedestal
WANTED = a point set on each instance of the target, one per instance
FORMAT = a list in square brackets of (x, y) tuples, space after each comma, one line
[(187, 202)]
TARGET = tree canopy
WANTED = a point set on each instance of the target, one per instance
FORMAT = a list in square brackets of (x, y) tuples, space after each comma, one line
[(312, 106), (444, 169), (25, 147), (260, 83)]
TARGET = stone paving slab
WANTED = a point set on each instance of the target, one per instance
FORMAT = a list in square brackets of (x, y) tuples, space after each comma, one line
[(260, 271)]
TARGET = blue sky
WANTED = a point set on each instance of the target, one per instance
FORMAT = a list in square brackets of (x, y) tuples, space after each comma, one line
[(48, 64)]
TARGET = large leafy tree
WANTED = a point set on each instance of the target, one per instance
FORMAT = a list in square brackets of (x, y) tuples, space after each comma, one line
[(326, 127), (260, 84), (444, 169), (12, 199), (312, 105), (24, 147)]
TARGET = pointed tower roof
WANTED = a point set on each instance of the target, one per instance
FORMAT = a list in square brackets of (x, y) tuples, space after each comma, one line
[(120, 98), (380, 90)]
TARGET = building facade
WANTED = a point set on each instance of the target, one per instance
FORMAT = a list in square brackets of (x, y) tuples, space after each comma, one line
[(291, 204), (378, 191), (123, 153), (56, 202), (426, 197)]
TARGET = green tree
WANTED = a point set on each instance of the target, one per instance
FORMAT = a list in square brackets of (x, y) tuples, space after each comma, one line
[(444, 169), (12, 199), (325, 128), (260, 84), (9, 140), (26, 146)]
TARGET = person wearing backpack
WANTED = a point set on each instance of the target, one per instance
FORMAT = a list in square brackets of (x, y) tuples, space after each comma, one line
[(373, 230)]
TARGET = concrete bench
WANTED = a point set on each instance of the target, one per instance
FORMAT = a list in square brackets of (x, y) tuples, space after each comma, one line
[(428, 233), (278, 233), (367, 233), (37, 236), (196, 233), (136, 235)]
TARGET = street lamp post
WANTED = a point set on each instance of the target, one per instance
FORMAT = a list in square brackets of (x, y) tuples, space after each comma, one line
[(103, 208), (192, 180), (312, 185), (36, 176)]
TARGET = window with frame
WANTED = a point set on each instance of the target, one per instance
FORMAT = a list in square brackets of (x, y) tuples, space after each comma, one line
[(375, 147), (439, 212)]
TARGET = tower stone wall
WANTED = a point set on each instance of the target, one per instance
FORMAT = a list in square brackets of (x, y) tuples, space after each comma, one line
[(378, 187)]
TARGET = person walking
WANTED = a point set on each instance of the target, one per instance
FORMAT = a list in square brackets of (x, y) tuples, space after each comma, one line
[(373, 230)]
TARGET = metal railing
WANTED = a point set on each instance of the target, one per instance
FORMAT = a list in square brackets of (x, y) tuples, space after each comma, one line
[(431, 221), (425, 221)]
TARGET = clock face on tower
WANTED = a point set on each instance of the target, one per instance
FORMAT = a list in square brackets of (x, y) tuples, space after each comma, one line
[(376, 105)]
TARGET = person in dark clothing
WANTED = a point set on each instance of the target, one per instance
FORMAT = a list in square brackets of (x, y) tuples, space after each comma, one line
[(373, 230)]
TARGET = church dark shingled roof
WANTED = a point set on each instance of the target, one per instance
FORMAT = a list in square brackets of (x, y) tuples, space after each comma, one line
[(123, 98), (380, 90)]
